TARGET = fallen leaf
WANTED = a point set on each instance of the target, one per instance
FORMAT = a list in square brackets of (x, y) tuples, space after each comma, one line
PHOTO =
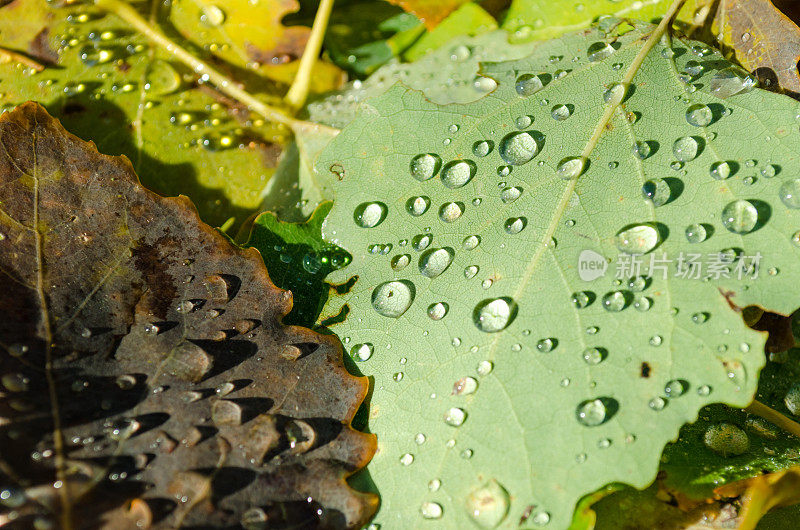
[(146, 372), (764, 40)]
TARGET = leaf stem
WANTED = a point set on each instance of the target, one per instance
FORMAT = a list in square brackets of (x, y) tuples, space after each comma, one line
[(207, 73), (773, 416), (11, 55), (298, 92)]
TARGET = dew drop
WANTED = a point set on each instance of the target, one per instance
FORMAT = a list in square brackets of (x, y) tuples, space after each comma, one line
[(481, 148), (740, 216), (638, 239), (545, 345), (362, 352), (560, 112), (528, 84), (699, 115), (425, 166), (417, 206), (211, 15), (518, 148), (464, 386), (457, 173), (614, 301), (789, 193), (726, 439), (488, 504), (591, 413), (407, 459), (720, 170), (470, 271), (730, 81), (510, 194), (768, 171), (515, 225), (696, 233), (657, 191), (641, 150), (494, 314), (523, 122), (593, 356), (435, 261), (599, 51), (455, 417), (642, 303), (369, 214), (392, 299), (450, 212), (431, 510), (437, 311), (400, 262), (685, 148), (581, 299), (570, 167), (657, 403), (675, 388), (614, 94), (484, 368)]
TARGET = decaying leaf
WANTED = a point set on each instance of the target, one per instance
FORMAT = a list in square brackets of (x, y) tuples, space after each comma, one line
[(764, 40), (759, 495), (147, 377), (431, 12)]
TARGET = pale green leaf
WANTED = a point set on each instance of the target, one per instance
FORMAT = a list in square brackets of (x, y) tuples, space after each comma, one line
[(520, 430)]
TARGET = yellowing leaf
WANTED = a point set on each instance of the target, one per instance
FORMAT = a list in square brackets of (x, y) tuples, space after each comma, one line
[(431, 12), (760, 494)]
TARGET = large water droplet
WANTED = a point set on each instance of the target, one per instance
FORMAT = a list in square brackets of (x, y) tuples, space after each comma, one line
[(518, 148), (685, 148), (392, 299), (657, 191), (740, 216), (451, 211), (599, 51), (431, 510), (369, 214), (494, 314), (593, 356), (696, 233), (675, 388), (455, 416), (425, 166), (614, 94), (637, 239), (570, 167), (435, 261), (465, 385), (789, 193), (720, 170), (592, 412), (457, 173), (614, 301), (487, 505), (726, 439), (730, 81), (699, 115), (417, 206), (515, 225), (641, 150), (528, 84)]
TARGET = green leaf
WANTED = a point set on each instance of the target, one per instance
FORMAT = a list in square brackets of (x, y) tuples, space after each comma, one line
[(298, 260), (469, 19), (674, 345), (129, 99)]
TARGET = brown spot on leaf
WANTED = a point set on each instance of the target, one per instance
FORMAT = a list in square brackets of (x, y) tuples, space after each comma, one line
[(107, 319), (644, 370)]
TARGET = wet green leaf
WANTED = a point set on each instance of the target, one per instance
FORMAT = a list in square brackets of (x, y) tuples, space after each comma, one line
[(110, 87), (494, 360)]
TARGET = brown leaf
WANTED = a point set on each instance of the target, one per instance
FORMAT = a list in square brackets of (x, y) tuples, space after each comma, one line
[(144, 368), (430, 12), (764, 40)]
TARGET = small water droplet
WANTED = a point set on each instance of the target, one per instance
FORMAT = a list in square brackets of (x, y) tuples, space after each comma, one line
[(211, 15), (455, 416), (591, 413), (417, 206), (369, 214), (431, 510), (484, 368), (720, 170), (437, 311), (523, 122), (730, 81), (599, 51), (362, 352), (614, 301), (528, 84), (581, 299), (593, 356), (699, 115), (696, 233), (641, 150), (642, 303), (789, 193), (657, 403), (510, 194), (488, 504), (407, 459), (545, 345), (675, 388), (494, 314), (515, 225), (657, 191), (481, 148), (560, 112), (614, 94), (421, 242)]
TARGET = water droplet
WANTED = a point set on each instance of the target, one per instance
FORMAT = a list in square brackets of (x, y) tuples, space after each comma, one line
[(720, 170), (450, 211), (162, 78), (685, 148), (92, 55), (675, 388), (591, 412), (638, 239), (700, 317), (486, 283), (503, 171), (362, 352), (740, 216), (510, 194), (641, 150), (435, 261), (464, 386), (599, 51), (642, 303), (484, 368), (726, 439), (657, 403), (769, 171), (570, 167), (696, 233), (657, 191), (425, 166), (455, 416), (431, 510), (460, 53), (457, 173), (392, 299), (369, 214), (541, 519), (437, 311), (518, 148), (638, 283), (560, 112), (487, 505), (614, 94), (494, 314), (417, 206), (730, 81), (515, 225), (703, 390), (484, 85), (470, 271), (407, 459), (789, 193), (400, 262), (528, 84), (211, 15), (482, 148), (581, 299), (593, 356), (121, 429), (699, 115), (545, 345), (614, 301)]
